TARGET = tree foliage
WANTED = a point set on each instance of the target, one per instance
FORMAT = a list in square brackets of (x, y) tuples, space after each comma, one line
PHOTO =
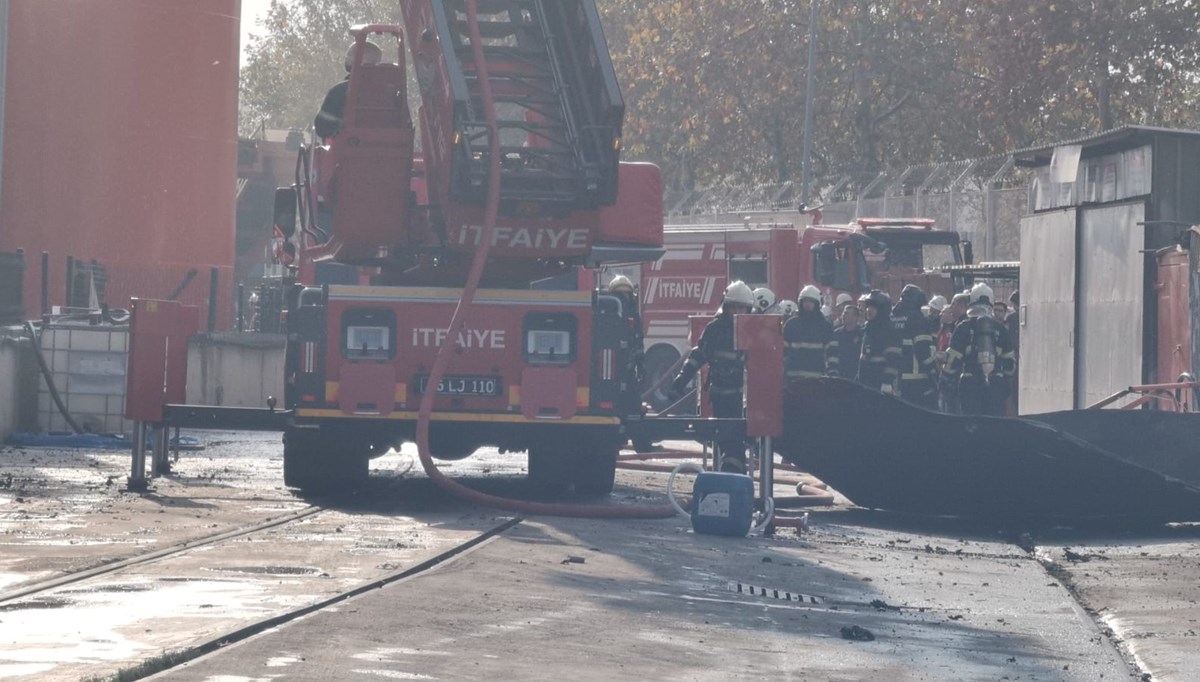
[(715, 89), (296, 53)]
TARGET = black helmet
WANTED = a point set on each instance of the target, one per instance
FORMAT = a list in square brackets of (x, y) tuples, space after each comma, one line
[(913, 295), (877, 299), (1015, 297)]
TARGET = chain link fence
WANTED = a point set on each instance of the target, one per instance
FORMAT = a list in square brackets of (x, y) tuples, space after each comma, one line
[(983, 199)]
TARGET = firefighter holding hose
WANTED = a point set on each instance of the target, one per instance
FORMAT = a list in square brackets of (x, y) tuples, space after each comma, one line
[(726, 370), (980, 358)]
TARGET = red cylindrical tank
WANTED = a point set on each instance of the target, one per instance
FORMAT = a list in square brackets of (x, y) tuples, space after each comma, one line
[(120, 143)]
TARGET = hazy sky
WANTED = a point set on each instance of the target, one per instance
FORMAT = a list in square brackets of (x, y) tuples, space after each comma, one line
[(252, 10)]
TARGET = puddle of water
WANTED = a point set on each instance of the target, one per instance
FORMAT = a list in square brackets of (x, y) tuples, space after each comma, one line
[(111, 589), (388, 654), (270, 570), (393, 674), (37, 603), (96, 627), (282, 661), (23, 669)]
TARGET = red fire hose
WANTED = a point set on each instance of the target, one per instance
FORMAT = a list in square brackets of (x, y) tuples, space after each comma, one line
[(459, 320)]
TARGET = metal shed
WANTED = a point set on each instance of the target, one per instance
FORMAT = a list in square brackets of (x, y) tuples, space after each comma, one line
[(1101, 207)]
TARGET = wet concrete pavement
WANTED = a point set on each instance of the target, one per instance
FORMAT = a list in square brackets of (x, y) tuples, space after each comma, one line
[(552, 597), (651, 601)]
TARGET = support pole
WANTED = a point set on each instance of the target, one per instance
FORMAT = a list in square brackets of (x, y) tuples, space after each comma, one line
[(241, 319), (212, 299), (70, 298), (45, 286), (806, 158), (137, 474), (160, 465), (766, 477)]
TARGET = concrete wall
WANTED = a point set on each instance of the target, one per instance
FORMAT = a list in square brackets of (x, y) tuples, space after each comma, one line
[(18, 386), (235, 370)]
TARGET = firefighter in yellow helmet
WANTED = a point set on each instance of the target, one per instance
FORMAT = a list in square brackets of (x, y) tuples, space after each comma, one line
[(726, 369), (631, 354)]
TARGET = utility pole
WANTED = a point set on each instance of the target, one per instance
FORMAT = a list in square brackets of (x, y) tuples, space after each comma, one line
[(806, 159)]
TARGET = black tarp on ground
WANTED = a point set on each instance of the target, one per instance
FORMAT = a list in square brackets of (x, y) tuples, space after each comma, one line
[(1164, 442), (884, 453)]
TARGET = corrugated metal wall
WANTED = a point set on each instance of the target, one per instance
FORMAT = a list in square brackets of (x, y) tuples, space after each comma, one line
[(1047, 368), (1111, 300)]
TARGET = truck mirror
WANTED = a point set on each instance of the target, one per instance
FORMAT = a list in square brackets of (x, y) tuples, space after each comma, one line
[(968, 252), (285, 211)]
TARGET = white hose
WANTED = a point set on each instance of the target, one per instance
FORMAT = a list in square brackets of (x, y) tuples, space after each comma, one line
[(671, 484)]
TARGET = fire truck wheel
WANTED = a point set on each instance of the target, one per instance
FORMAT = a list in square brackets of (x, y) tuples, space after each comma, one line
[(549, 470), (317, 461), (595, 471)]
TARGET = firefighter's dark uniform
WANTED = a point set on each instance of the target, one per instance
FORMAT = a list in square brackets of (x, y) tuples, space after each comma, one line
[(806, 339), (977, 393), (916, 354), (633, 355), (328, 122), (880, 359), (844, 351), (726, 377)]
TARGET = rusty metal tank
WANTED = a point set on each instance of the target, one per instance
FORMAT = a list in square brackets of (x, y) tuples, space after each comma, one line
[(120, 144)]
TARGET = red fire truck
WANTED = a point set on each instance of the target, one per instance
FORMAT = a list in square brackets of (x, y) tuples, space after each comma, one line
[(870, 253), (380, 238)]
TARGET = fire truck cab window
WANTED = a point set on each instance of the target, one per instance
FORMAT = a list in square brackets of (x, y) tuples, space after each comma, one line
[(831, 264), (368, 334), (550, 338), (752, 271)]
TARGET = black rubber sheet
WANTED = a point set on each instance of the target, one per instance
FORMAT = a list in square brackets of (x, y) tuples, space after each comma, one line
[(884, 453)]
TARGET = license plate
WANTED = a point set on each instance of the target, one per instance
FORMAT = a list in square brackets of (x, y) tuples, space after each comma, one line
[(459, 384)]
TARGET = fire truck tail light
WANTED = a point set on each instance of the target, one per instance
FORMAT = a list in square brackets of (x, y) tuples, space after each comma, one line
[(308, 398), (606, 405)]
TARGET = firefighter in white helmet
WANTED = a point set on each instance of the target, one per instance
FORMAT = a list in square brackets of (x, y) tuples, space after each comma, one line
[(806, 337), (980, 360), (726, 369), (787, 308), (764, 299), (329, 120)]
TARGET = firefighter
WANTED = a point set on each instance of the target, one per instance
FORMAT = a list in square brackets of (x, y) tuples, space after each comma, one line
[(951, 316), (839, 304), (764, 300), (806, 337), (1013, 324), (916, 348), (980, 359), (329, 120), (726, 369), (634, 372), (933, 314), (788, 309), (879, 363), (846, 346)]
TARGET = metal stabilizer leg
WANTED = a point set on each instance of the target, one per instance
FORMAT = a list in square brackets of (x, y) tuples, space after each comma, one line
[(137, 475)]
